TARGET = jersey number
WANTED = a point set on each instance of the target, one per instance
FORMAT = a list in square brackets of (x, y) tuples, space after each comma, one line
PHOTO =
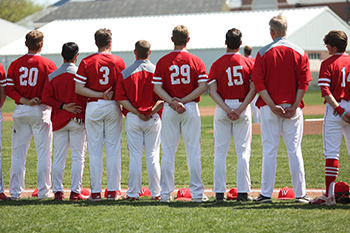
[(234, 73), (184, 70), (31, 74), (343, 71), (105, 79)]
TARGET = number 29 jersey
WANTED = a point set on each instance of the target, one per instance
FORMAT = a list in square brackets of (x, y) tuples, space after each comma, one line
[(334, 77), (179, 72), (232, 73), (99, 71), (27, 75)]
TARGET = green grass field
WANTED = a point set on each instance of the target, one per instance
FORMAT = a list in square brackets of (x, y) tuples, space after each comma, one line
[(30, 215)]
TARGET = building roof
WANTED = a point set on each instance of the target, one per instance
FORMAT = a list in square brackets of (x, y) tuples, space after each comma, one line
[(306, 28), (123, 8), (10, 32)]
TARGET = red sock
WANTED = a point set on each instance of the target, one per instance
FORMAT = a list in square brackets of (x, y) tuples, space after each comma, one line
[(331, 173)]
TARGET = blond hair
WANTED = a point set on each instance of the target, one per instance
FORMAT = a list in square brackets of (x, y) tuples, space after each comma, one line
[(279, 25), (180, 35)]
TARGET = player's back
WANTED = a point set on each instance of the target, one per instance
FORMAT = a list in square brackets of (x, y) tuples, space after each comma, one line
[(180, 72)]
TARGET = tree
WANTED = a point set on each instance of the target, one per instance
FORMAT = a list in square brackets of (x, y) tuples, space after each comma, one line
[(15, 10)]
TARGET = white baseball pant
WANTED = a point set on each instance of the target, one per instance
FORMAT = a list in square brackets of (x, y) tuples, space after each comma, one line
[(141, 133), (73, 134), (29, 121), (104, 122), (255, 110), (272, 127), (2, 189), (173, 125), (241, 131), (333, 128)]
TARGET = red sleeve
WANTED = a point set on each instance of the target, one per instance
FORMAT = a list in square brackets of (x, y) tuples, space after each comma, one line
[(324, 80), (258, 75), (202, 72), (2, 76), (48, 96), (120, 93), (81, 76), (305, 74)]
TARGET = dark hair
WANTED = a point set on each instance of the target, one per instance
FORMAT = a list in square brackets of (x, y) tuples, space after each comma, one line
[(102, 37), (69, 50), (34, 40), (142, 48), (180, 35), (247, 50), (336, 39), (233, 38)]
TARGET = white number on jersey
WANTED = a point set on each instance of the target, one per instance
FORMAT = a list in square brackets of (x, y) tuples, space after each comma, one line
[(105, 71), (32, 76), (184, 71), (343, 71), (235, 72)]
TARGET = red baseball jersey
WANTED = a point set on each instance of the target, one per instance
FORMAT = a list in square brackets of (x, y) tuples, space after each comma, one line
[(135, 84), (251, 58), (281, 68), (27, 75), (2, 76), (179, 72), (232, 74), (334, 77), (60, 89), (99, 72)]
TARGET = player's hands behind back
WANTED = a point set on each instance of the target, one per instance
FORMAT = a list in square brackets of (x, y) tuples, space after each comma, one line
[(72, 107), (108, 94), (177, 105), (346, 117)]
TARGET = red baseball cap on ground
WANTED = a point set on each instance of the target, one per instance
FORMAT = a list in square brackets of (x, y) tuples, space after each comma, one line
[(232, 194), (35, 193), (184, 194), (342, 188), (286, 194), (145, 192), (85, 192), (118, 193)]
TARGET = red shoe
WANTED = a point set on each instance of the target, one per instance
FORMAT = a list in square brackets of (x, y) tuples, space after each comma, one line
[(3, 197), (95, 197), (126, 197), (35, 193), (77, 197), (113, 195), (323, 200), (156, 198), (59, 196)]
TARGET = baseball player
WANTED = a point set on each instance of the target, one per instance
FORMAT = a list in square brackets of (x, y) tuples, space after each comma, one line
[(142, 122), (96, 78), (333, 81), (232, 91), (68, 110), (180, 78), (256, 116), (281, 75), (2, 100), (25, 83)]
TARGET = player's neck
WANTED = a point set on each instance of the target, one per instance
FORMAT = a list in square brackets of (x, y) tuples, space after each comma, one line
[(34, 52), (180, 47), (232, 50), (105, 49)]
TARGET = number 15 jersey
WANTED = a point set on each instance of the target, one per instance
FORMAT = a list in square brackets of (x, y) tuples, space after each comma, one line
[(179, 72)]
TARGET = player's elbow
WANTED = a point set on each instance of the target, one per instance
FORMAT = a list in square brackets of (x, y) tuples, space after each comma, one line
[(202, 87)]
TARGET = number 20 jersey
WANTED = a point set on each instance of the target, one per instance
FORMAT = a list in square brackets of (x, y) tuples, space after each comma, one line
[(27, 75), (232, 74), (179, 72), (99, 71)]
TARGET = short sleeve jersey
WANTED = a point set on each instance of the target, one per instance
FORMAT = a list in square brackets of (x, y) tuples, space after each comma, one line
[(135, 84), (27, 75), (179, 72), (232, 74), (334, 77), (2, 76), (60, 89), (99, 71), (281, 68)]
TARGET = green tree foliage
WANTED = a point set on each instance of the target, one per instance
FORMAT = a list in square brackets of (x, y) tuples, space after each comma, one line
[(15, 10)]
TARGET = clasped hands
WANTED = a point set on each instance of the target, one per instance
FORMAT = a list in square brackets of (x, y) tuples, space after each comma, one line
[(177, 105)]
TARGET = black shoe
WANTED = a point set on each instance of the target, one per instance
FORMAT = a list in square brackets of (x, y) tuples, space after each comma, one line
[(220, 197), (263, 199), (243, 197)]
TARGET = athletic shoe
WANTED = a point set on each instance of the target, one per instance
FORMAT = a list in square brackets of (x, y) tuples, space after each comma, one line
[(48, 195), (95, 197), (220, 197), (263, 199), (323, 200), (3, 197), (113, 195), (59, 196), (77, 196), (157, 198), (305, 199), (126, 197), (244, 197), (165, 200), (204, 198)]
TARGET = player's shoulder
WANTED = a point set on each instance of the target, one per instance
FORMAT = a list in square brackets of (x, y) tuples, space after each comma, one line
[(281, 43), (138, 66)]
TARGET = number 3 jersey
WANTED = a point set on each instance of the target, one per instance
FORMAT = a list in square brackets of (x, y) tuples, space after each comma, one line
[(334, 77), (99, 72), (179, 72), (232, 74), (27, 75)]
